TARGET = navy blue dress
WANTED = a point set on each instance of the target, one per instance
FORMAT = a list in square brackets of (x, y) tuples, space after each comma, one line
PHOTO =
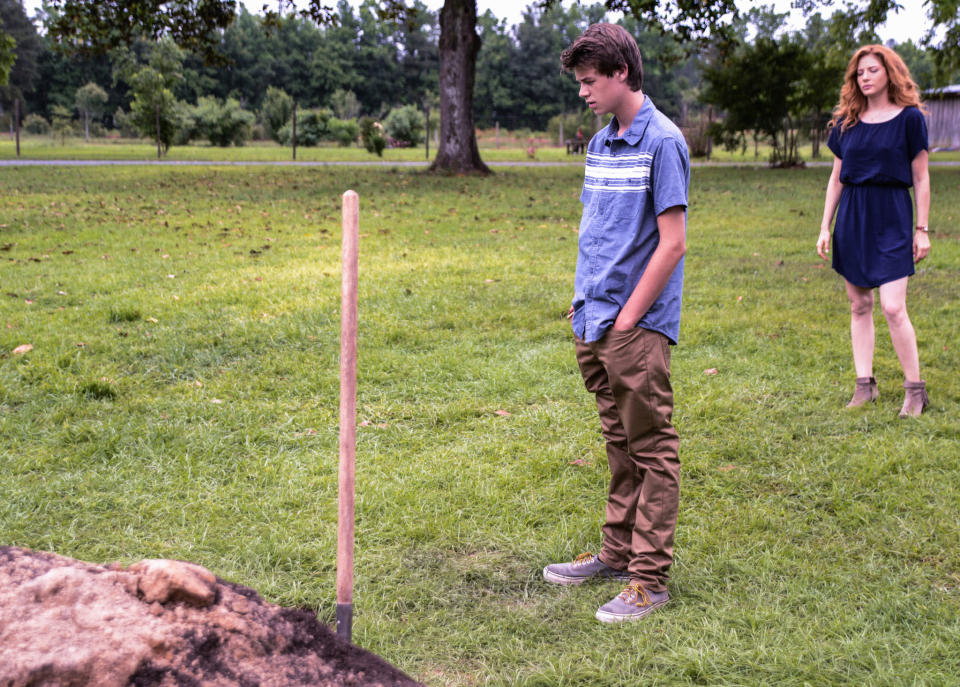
[(873, 234)]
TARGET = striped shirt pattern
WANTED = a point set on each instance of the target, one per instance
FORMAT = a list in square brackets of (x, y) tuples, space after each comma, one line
[(623, 173)]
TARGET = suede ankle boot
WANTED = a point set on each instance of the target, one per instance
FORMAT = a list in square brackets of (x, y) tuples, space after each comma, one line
[(866, 392), (915, 399)]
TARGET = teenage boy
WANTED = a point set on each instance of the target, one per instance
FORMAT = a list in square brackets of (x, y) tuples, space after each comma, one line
[(626, 314)]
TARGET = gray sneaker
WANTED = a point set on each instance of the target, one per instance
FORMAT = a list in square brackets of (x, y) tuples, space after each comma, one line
[(632, 603), (584, 567)]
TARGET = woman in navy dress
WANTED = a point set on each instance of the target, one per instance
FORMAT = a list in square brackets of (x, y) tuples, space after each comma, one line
[(879, 142)]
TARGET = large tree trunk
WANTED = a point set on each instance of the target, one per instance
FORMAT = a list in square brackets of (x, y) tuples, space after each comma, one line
[(459, 44)]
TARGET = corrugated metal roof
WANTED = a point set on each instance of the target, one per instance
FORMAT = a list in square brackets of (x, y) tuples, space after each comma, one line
[(945, 90)]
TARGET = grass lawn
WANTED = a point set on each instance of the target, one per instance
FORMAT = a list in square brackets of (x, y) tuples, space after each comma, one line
[(180, 401), (46, 148)]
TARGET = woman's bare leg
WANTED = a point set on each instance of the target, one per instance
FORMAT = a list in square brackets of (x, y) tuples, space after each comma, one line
[(862, 334), (893, 302)]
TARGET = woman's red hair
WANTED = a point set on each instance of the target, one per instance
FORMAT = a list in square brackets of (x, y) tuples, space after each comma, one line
[(901, 88)]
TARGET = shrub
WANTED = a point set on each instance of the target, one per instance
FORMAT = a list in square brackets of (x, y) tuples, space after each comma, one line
[(223, 123), (371, 135), (698, 135), (405, 125), (36, 124), (188, 127), (344, 132), (311, 128), (314, 126), (275, 111)]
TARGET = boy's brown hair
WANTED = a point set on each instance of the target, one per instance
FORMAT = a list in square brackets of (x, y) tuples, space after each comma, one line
[(608, 48)]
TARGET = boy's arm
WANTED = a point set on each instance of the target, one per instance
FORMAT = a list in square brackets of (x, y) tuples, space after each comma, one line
[(672, 227)]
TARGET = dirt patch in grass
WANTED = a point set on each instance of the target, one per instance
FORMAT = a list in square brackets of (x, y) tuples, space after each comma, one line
[(165, 624)]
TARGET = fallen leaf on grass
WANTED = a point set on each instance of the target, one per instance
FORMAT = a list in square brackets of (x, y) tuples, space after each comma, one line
[(153, 319), (739, 298), (28, 301), (711, 371), (216, 400), (578, 461), (305, 433), (81, 344), (501, 413), (727, 468), (22, 348)]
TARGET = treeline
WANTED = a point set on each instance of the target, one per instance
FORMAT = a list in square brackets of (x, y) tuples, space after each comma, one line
[(360, 67), (374, 79)]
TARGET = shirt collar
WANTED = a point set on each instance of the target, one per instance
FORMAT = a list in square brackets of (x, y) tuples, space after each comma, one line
[(637, 127)]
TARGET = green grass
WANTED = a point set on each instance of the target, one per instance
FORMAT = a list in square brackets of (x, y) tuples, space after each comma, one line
[(47, 148), (181, 398)]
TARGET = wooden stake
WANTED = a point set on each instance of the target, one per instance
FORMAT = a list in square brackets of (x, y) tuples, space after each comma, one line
[(348, 413)]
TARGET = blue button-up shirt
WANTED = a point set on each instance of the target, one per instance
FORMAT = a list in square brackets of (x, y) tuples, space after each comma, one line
[(628, 181)]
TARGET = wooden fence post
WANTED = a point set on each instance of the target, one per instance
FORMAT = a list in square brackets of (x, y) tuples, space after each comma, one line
[(348, 414), (16, 123)]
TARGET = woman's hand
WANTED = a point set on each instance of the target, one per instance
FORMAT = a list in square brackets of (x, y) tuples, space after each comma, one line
[(921, 245), (823, 243)]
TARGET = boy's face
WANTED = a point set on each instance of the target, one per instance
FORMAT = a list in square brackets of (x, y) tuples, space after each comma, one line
[(603, 94)]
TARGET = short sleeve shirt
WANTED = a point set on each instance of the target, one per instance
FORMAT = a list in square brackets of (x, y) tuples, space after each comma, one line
[(880, 154), (628, 181)]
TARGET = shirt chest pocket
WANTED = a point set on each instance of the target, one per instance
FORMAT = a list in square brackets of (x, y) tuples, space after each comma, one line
[(614, 206)]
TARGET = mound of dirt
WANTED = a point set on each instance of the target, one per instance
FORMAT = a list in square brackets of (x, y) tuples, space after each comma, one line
[(162, 623)]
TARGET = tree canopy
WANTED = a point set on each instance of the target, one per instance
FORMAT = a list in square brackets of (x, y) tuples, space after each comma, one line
[(368, 59)]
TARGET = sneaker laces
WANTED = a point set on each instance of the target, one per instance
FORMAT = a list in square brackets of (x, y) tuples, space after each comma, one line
[(635, 595), (583, 559)]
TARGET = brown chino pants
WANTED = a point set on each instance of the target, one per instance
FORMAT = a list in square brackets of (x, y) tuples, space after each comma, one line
[(629, 372)]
